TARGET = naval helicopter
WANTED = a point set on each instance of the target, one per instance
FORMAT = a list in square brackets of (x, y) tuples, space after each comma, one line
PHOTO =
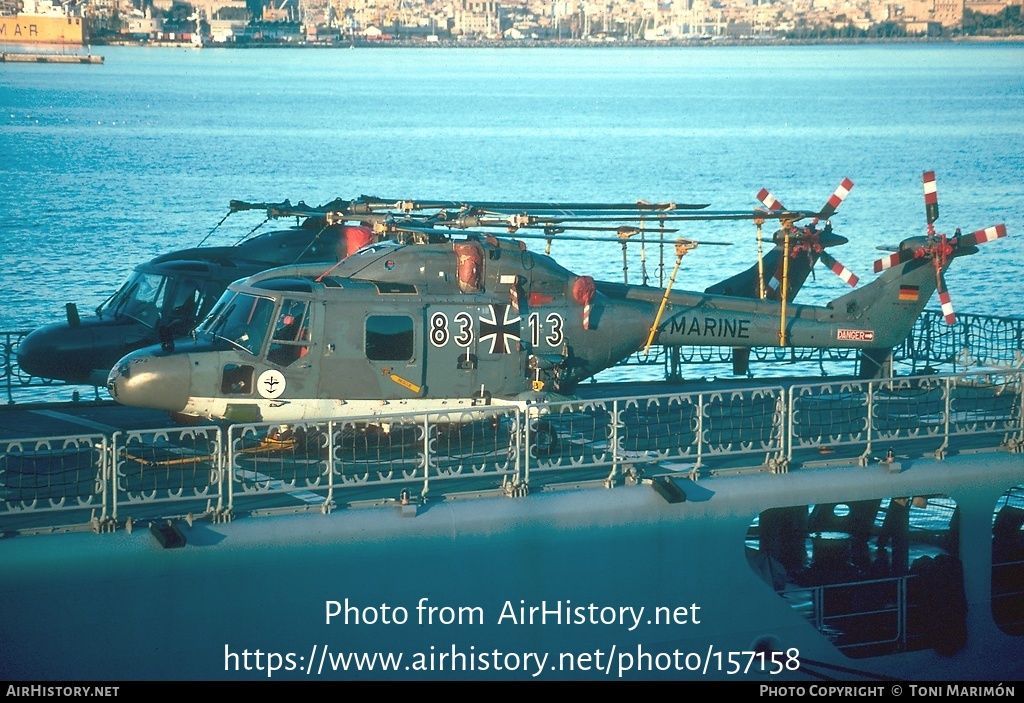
[(426, 322), (166, 297)]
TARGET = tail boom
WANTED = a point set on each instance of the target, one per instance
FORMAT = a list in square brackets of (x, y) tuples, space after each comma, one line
[(878, 315)]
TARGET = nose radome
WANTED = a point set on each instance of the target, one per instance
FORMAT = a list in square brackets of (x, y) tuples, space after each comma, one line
[(143, 380), (76, 353), (58, 351)]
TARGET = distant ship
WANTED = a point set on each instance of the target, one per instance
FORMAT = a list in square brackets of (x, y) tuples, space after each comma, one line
[(42, 22)]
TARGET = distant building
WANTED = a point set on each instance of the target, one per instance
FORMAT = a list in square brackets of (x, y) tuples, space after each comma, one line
[(948, 13), (224, 31), (209, 8), (478, 17), (142, 25), (945, 13), (923, 29), (990, 7)]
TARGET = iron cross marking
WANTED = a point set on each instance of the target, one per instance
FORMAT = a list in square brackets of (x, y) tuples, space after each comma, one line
[(500, 329)]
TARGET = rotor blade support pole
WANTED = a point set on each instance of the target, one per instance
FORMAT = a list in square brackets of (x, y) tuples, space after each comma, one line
[(682, 247), (625, 264), (760, 261), (786, 226)]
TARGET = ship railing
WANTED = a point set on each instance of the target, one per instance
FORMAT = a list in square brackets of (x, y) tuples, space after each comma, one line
[(49, 483), (891, 615), (407, 459), (686, 433), (166, 473), (372, 459), (973, 341), (862, 618), (864, 421)]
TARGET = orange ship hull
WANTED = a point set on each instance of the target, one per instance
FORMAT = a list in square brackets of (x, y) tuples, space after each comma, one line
[(39, 29)]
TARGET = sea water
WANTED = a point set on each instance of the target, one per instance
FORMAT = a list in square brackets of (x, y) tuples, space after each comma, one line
[(106, 166)]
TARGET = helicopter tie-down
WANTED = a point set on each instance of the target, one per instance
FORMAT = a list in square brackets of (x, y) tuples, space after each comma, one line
[(450, 324)]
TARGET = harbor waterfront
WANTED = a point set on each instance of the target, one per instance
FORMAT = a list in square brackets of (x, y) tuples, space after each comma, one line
[(809, 524)]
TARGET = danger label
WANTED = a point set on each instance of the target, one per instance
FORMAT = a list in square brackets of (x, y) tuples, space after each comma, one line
[(856, 335)]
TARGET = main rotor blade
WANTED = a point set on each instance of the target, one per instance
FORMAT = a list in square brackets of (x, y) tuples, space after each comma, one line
[(580, 238), (513, 206), (699, 217), (892, 260), (242, 205), (622, 231), (565, 237), (769, 200)]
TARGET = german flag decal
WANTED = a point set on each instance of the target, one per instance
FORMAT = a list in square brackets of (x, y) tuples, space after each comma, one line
[(908, 292)]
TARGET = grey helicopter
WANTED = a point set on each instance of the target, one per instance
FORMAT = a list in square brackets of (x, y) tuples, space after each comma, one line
[(427, 323), (166, 297)]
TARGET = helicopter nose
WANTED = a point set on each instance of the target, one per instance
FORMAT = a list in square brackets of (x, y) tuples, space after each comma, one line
[(37, 357), (145, 380), (80, 353)]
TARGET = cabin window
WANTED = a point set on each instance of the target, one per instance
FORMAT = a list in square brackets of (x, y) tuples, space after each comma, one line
[(290, 341), (389, 338)]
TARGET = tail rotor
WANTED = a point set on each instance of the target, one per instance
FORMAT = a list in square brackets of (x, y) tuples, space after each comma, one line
[(809, 241), (939, 248)]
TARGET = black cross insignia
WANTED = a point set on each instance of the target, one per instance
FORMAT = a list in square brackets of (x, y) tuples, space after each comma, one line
[(500, 329)]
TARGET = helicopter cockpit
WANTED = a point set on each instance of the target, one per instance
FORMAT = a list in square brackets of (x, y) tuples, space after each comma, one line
[(246, 320), (157, 300)]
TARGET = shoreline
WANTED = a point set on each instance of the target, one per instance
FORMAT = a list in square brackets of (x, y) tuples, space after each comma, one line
[(575, 43), (83, 49)]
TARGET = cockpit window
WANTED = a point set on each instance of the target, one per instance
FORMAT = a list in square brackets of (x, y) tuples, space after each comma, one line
[(242, 320), (183, 304), (141, 298), (291, 338), (155, 300)]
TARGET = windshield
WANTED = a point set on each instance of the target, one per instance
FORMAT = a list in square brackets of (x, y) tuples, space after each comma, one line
[(155, 300), (141, 297), (241, 319)]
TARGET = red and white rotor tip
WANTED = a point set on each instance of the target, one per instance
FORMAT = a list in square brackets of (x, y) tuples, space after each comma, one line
[(837, 198), (887, 262), (989, 233), (931, 197), (769, 200), (838, 269), (947, 307)]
